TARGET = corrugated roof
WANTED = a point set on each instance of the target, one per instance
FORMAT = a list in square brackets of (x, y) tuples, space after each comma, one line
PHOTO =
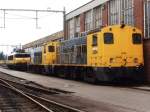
[(39, 42)]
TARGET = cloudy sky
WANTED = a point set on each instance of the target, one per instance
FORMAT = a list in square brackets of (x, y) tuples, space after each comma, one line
[(21, 26)]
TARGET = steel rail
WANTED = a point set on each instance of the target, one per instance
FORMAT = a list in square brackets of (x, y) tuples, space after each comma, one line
[(109, 85), (51, 90), (57, 104), (62, 91), (25, 95), (30, 96)]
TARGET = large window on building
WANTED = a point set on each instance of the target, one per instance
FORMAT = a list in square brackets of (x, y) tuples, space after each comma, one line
[(114, 12), (127, 12), (88, 20), (97, 17), (71, 28), (121, 11), (147, 19), (77, 26)]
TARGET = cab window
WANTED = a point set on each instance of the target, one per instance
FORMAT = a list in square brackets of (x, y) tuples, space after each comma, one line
[(136, 38), (22, 55), (10, 57), (108, 38), (51, 49), (94, 41)]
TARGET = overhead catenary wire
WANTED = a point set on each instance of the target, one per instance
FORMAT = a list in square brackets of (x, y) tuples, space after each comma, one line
[(36, 11), (23, 17), (18, 15)]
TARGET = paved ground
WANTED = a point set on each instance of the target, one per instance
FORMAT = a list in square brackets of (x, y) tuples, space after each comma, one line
[(133, 100)]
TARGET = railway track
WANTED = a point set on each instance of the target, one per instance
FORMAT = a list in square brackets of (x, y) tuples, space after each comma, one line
[(40, 94), (13, 99), (20, 94), (12, 79)]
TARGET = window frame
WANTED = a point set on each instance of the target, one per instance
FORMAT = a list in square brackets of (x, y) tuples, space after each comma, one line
[(97, 17), (112, 40), (121, 11), (128, 12), (88, 20), (114, 12), (10, 57), (51, 48), (136, 42), (77, 24), (94, 40), (22, 55), (147, 19), (71, 28)]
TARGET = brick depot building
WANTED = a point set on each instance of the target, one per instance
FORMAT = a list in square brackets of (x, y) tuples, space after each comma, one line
[(98, 13)]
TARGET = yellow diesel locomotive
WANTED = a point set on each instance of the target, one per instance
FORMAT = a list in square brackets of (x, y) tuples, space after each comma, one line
[(112, 53), (18, 61)]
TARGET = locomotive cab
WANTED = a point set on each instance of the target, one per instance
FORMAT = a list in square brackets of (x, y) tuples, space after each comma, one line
[(18, 61), (49, 53), (117, 51), (21, 58)]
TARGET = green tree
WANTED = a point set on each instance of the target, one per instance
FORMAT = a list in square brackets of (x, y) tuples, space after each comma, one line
[(2, 56)]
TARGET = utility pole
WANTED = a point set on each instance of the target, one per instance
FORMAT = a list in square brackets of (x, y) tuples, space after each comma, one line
[(36, 19), (4, 19), (64, 19)]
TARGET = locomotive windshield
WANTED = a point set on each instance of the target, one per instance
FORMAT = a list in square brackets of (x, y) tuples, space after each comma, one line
[(94, 40), (22, 55), (136, 38), (51, 48), (10, 57), (108, 38)]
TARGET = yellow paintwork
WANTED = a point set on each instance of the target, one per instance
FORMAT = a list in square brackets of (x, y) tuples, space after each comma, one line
[(19, 60), (2, 62), (49, 58), (122, 53), (9, 62)]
